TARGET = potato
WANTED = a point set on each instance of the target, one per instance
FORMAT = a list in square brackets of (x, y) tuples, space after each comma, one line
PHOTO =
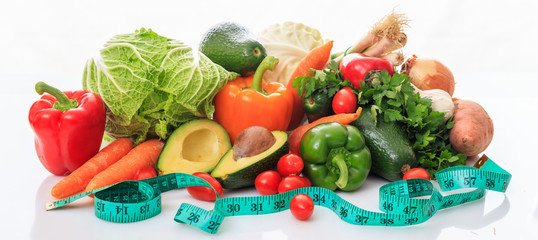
[(473, 128), (252, 141)]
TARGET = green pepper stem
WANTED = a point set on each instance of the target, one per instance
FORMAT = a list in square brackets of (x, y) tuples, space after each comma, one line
[(340, 162), (268, 62), (63, 103)]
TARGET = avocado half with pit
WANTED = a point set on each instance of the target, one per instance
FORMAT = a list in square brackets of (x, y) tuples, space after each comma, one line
[(196, 146), (241, 172)]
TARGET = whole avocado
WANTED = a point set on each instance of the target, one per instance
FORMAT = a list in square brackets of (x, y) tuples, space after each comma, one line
[(234, 47)]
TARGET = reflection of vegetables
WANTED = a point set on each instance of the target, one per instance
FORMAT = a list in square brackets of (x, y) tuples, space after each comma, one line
[(356, 66), (395, 99), (68, 127), (297, 134), (145, 154), (316, 59), (246, 102), (335, 156), (385, 37), (428, 74), (77, 180), (473, 128), (290, 42), (151, 84)]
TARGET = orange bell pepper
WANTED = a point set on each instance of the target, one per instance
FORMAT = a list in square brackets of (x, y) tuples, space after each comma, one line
[(250, 101)]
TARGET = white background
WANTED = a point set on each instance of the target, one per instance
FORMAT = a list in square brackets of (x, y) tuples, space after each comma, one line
[(490, 46)]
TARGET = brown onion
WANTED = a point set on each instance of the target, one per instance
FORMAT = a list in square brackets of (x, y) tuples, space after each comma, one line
[(428, 74)]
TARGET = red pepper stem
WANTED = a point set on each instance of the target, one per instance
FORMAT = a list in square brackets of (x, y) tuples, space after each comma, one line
[(268, 62), (63, 103), (339, 161)]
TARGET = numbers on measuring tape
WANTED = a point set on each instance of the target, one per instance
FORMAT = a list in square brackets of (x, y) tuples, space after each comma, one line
[(138, 200), (388, 206), (233, 208), (318, 199), (343, 212), (469, 181), (361, 219), (410, 209), (193, 217), (255, 207), (280, 204)]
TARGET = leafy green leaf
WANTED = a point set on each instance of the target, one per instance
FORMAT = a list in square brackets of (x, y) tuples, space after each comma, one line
[(394, 98), (152, 84)]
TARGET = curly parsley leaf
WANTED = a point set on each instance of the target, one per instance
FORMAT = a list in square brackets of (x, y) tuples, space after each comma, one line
[(330, 79)]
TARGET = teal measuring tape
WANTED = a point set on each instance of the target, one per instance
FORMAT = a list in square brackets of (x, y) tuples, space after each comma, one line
[(138, 200)]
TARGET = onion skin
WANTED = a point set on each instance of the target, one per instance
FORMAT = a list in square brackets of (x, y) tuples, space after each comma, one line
[(428, 74)]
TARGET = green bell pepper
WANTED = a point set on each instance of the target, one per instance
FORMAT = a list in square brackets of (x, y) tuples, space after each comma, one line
[(335, 156)]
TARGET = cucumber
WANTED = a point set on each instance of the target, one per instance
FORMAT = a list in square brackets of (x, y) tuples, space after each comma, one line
[(392, 153), (317, 105)]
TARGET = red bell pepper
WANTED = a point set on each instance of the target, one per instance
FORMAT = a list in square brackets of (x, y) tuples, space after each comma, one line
[(68, 127), (355, 66)]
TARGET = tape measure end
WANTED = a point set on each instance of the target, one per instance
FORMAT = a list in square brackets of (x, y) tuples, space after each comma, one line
[(49, 206)]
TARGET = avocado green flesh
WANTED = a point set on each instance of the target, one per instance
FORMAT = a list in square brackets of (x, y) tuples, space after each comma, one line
[(234, 47), (196, 146), (390, 148), (242, 172)]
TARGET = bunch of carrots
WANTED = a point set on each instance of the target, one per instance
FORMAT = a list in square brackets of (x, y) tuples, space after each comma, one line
[(116, 162)]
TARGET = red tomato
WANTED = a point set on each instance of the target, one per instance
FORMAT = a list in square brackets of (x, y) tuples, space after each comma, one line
[(290, 164), (267, 182), (301, 206), (145, 172), (345, 101), (416, 173), (293, 182), (205, 193)]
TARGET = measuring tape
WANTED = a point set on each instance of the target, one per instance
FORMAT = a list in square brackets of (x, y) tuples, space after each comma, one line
[(131, 201)]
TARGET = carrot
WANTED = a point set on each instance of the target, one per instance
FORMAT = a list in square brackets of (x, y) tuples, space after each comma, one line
[(78, 179), (316, 59), (342, 118), (145, 154)]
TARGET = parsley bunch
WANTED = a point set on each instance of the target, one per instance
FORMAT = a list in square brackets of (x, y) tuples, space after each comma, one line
[(330, 79), (395, 99)]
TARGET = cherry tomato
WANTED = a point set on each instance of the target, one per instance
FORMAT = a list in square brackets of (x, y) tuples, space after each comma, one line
[(293, 182), (302, 206), (290, 164), (145, 172), (205, 193), (345, 101), (416, 173), (267, 182)]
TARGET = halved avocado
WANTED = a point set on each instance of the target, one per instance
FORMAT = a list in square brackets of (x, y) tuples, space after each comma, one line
[(242, 172), (196, 146)]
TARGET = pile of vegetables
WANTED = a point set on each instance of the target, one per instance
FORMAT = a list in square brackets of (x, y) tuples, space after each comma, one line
[(298, 115)]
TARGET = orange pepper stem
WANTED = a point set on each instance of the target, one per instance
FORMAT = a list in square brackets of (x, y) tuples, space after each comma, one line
[(268, 62)]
